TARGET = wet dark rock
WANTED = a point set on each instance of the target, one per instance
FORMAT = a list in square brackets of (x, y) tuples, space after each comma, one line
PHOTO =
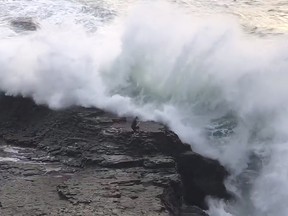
[(172, 196), (113, 171), (154, 163), (192, 211), (21, 141), (24, 24), (120, 161), (201, 177)]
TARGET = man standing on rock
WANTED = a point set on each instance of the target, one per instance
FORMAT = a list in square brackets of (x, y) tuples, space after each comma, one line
[(135, 124)]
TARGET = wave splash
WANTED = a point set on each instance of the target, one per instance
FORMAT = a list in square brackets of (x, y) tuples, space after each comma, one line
[(221, 90)]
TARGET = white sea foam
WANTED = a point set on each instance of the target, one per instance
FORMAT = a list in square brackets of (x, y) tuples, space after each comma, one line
[(162, 63)]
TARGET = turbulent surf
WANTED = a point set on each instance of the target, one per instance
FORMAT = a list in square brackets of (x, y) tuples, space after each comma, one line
[(216, 73)]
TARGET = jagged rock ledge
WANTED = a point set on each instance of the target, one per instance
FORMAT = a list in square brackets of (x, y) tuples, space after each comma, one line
[(81, 161)]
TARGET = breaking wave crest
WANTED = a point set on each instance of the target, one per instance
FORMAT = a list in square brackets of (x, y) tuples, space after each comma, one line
[(221, 90)]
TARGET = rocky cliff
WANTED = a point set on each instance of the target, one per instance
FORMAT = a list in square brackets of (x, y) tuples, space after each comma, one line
[(84, 161)]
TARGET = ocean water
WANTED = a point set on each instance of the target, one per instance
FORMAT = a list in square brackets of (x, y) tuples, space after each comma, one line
[(214, 71)]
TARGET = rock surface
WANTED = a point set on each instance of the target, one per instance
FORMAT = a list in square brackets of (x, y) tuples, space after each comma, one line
[(24, 24), (201, 177), (82, 161)]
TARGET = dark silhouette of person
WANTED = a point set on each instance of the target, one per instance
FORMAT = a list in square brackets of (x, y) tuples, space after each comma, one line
[(135, 124)]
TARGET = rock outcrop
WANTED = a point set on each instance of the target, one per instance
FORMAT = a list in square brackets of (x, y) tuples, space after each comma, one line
[(201, 177), (24, 24), (83, 161)]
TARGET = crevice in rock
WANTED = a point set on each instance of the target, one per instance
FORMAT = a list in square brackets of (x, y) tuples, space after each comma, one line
[(201, 177)]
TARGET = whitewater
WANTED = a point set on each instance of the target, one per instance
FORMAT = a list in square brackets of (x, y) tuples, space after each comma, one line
[(214, 71)]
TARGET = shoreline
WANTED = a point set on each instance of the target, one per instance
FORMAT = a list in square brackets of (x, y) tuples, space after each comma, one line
[(84, 161)]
